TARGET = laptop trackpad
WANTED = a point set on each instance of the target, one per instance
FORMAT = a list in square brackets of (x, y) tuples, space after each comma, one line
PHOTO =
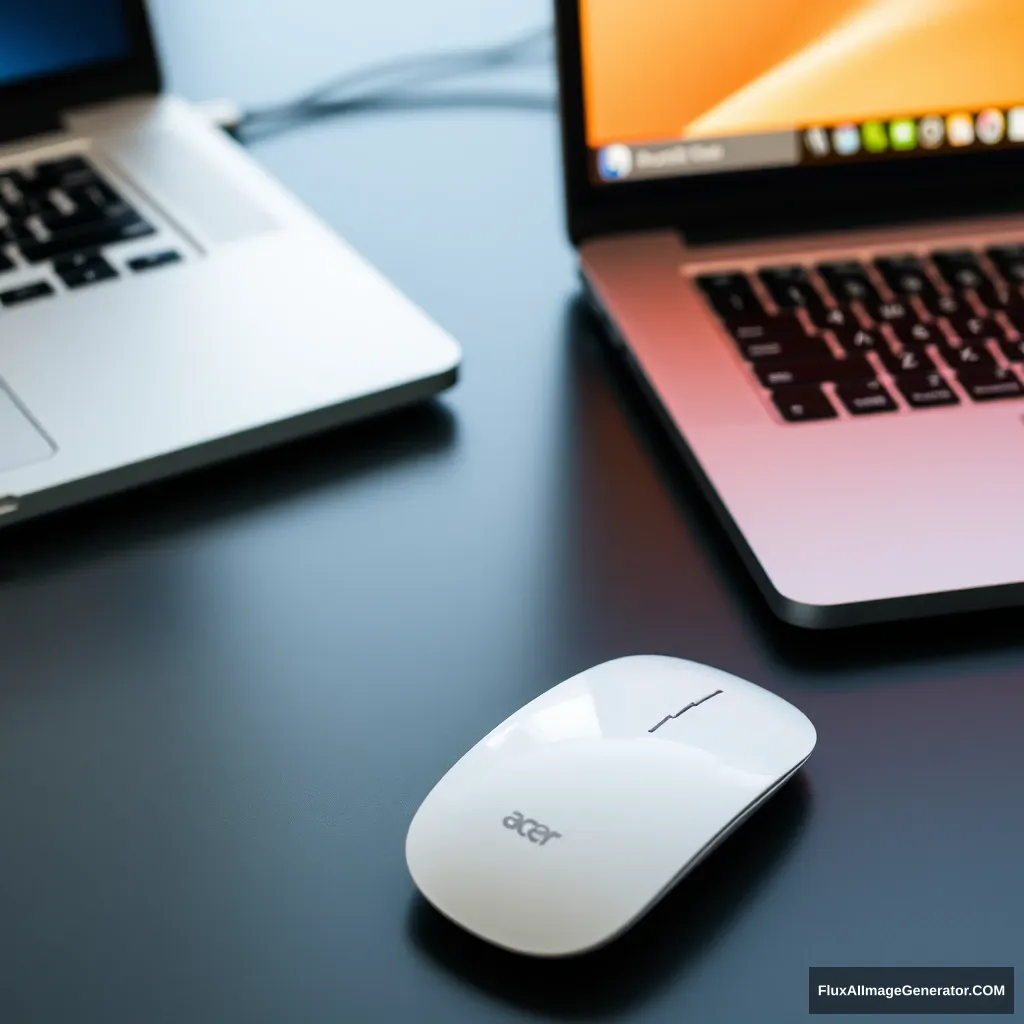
[(21, 442)]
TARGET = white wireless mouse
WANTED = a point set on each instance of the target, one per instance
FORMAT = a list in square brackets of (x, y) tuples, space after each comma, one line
[(577, 814)]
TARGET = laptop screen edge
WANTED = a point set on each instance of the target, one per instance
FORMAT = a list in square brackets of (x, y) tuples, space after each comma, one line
[(747, 204), (34, 105)]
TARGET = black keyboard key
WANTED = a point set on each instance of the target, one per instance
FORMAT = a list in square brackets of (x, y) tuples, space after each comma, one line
[(84, 269), (92, 194), (924, 390), (905, 275), (803, 404), (75, 260), (154, 260), (73, 175), (53, 172), (13, 200), (893, 311), (831, 318), (860, 339), (791, 288), (947, 305), (917, 335), (1015, 314), (57, 223), (849, 282), (91, 238), (988, 383), (959, 269), (1013, 350), (962, 271), (5, 263), (732, 296), (865, 397), (971, 328), (780, 373), (908, 361), (782, 327), (43, 206), (968, 353), (803, 349), (1009, 261), (16, 232), (26, 293), (994, 299)]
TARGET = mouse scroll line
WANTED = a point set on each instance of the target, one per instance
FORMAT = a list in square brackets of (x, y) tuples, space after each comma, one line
[(696, 703)]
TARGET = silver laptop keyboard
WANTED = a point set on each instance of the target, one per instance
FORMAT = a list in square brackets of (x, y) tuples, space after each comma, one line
[(61, 214), (903, 332)]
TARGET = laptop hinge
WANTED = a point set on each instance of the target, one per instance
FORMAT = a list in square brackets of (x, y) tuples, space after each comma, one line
[(754, 215), (728, 231), (15, 125)]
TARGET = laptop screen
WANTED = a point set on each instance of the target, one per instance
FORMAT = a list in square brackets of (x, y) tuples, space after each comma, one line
[(48, 37), (674, 88)]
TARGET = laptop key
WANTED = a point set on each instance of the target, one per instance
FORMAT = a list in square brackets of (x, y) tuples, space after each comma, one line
[(767, 328), (970, 328), (102, 234), (794, 349), (989, 383), (968, 353), (925, 390), (775, 374), (1009, 261), (732, 296), (5, 263), (959, 268), (830, 318), (893, 311), (908, 361), (849, 282), (91, 193), (84, 269), (57, 221), (906, 276), (917, 335), (864, 397), (26, 293), (1013, 350), (791, 288), (860, 339), (76, 178), (75, 260), (154, 260), (946, 305), (52, 172), (12, 194), (1015, 314), (962, 271), (803, 404), (16, 232)]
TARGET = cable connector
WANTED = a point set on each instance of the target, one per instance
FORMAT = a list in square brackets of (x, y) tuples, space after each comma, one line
[(222, 113)]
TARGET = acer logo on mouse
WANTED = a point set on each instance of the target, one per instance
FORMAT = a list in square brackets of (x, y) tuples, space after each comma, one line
[(530, 828)]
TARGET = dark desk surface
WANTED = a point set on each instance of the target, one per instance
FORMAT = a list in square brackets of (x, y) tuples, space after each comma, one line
[(222, 700)]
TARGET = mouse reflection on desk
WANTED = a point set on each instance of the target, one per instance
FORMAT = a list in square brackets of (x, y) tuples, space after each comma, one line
[(568, 822)]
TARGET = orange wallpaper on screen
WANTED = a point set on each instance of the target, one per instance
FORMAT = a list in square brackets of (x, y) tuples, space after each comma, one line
[(658, 69)]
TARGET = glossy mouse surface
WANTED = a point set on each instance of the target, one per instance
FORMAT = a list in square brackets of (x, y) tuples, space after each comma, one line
[(571, 819)]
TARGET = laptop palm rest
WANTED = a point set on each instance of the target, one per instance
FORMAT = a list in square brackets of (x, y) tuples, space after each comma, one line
[(21, 441)]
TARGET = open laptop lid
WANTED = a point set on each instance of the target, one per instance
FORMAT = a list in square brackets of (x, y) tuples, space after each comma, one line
[(734, 118), (56, 54)]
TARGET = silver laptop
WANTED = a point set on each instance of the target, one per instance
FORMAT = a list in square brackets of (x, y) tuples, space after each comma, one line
[(801, 223), (163, 302)]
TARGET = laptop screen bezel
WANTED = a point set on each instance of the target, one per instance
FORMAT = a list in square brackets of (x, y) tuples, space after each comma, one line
[(746, 204), (34, 105)]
